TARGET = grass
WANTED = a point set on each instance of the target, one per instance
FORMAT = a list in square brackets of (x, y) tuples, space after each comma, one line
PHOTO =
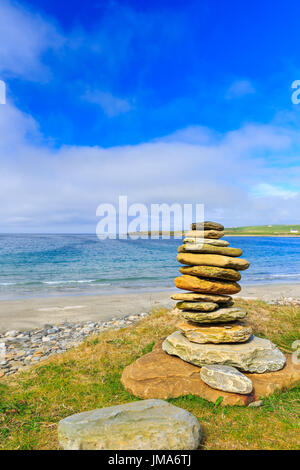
[(264, 230), (87, 377), (252, 230)]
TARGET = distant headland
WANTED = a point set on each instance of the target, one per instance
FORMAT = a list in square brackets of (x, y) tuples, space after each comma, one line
[(248, 231)]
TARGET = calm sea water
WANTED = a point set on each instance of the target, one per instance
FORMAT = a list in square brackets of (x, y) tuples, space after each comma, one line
[(51, 265)]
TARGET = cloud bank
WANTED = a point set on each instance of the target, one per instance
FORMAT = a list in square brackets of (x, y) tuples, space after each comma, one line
[(44, 189)]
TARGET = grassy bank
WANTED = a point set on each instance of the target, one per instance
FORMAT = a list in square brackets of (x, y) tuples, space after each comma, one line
[(87, 377), (265, 230)]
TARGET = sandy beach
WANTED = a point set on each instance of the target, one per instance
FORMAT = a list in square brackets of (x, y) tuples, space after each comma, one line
[(32, 313)]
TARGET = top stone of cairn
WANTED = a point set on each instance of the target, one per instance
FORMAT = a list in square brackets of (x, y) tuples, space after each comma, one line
[(206, 226)]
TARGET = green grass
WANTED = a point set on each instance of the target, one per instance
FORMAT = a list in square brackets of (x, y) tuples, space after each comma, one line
[(261, 230), (252, 230), (87, 377)]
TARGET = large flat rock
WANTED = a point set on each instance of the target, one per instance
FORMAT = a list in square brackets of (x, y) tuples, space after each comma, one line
[(197, 306), (205, 233), (211, 272), (206, 286), (256, 355), (220, 261), (140, 425), (208, 241), (222, 315), (159, 375), (209, 249), (229, 333), (207, 225), (193, 296)]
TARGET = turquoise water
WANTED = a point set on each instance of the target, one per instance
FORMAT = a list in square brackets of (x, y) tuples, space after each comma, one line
[(51, 265)]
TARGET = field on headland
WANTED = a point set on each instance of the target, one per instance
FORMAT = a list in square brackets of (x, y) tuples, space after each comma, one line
[(88, 377), (265, 230), (251, 230)]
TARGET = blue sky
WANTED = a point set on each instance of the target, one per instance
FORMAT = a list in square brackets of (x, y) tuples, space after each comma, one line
[(165, 101)]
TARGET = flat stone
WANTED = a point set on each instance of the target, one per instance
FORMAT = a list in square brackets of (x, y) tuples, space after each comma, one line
[(204, 234), (209, 249), (237, 333), (195, 259), (222, 315), (256, 355), (207, 241), (226, 378), (11, 333), (140, 425), (190, 296), (2, 351), (198, 306), (207, 225), (206, 286), (256, 404), (159, 375), (211, 272)]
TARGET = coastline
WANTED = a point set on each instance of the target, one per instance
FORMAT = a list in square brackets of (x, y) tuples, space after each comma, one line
[(28, 313), (286, 235)]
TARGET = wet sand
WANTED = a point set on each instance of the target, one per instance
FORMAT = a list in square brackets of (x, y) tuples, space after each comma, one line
[(32, 313)]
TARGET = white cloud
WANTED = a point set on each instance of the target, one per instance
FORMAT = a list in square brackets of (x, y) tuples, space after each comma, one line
[(268, 190), (240, 88), (24, 37), (43, 189), (111, 105)]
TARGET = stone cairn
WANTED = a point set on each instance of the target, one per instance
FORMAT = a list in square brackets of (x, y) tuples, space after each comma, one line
[(213, 333)]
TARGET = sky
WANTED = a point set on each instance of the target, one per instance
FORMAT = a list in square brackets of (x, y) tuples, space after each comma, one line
[(163, 101)]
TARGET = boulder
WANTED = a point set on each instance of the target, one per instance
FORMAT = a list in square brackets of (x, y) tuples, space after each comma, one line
[(235, 333), (211, 272), (226, 378), (256, 355), (195, 259), (191, 296), (198, 306), (204, 234), (222, 315), (206, 241), (159, 375), (140, 425), (206, 286), (209, 249)]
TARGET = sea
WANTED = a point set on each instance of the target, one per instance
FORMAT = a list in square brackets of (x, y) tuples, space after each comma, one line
[(59, 265)]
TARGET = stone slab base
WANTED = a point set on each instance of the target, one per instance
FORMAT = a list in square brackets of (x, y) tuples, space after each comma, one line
[(159, 375)]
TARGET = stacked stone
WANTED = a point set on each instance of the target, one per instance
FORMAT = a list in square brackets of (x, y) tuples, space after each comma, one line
[(214, 332)]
